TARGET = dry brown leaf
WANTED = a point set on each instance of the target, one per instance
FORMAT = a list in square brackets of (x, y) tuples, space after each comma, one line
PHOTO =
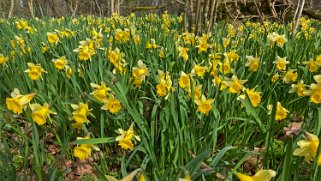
[(293, 129), (50, 137), (68, 164), (252, 162), (53, 149), (83, 167)]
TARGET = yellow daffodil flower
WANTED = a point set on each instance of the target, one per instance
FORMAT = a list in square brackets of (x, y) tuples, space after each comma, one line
[(204, 105), (235, 85), (290, 76), (261, 175), (80, 112), (83, 151), (184, 81), (18, 102), (3, 59), (198, 70), (281, 63), (40, 113), (255, 97), (281, 112), (100, 92), (298, 88), (52, 38), (60, 62), (34, 71), (183, 52), (252, 63), (125, 138), (308, 148), (111, 104)]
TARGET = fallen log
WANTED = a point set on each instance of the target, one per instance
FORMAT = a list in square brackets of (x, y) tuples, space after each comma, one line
[(314, 14)]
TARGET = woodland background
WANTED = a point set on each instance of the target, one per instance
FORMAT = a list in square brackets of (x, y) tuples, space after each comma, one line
[(199, 14)]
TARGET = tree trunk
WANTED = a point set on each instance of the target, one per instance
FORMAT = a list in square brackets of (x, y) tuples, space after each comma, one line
[(112, 7), (206, 8), (191, 14), (11, 8), (297, 16), (185, 15), (31, 9), (212, 14), (198, 16)]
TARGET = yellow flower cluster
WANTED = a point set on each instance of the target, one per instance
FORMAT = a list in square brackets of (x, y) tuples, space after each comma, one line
[(275, 38), (139, 73), (87, 48), (164, 86), (18, 102), (103, 94), (80, 113), (117, 58), (247, 62)]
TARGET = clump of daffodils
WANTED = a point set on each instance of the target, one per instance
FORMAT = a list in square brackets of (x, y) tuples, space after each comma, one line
[(100, 91), (80, 113), (86, 49), (278, 40), (103, 94), (220, 82), (231, 56), (225, 67), (117, 58), (96, 37), (122, 36), (164, 86), (139, 73), (152, 44), (188, 38), (21, 24), (203, 45), (126, 138), (18, 102)]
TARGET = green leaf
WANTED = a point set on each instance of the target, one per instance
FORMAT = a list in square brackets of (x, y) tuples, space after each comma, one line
[(219, 156), (195, 163), (94, 141)]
